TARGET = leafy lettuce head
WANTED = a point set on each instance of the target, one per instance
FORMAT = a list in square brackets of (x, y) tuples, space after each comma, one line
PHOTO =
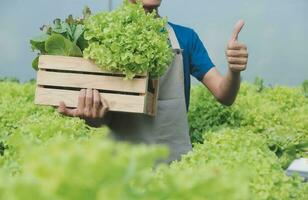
[(129, 40)]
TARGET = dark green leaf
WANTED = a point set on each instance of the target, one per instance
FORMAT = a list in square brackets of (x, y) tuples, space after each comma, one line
[(79, 30), (82, 43), (38, 43), (35, 63), (59, 45)]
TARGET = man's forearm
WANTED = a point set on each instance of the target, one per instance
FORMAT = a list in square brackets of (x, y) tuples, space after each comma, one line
[(237, 56), (229, 87), (225, 88)]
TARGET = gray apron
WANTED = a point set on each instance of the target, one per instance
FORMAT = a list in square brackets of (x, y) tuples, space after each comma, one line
[(170, 126)]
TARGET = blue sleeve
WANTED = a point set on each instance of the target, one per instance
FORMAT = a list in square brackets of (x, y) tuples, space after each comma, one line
[(200, 62)]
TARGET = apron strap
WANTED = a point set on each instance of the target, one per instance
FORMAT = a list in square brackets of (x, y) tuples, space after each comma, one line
[(173, 39)]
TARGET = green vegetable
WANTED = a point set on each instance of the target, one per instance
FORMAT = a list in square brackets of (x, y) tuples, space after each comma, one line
[(279, 114), (129, 40), (35, 63), (38, 43), (44, 155), (247, 153), (259, 83), (59, 45), (305, 88), (65, 38), (206, 114), (2, 148)]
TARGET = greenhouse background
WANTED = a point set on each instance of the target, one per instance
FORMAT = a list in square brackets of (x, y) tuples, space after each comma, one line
[(275, 32), (256, 149)]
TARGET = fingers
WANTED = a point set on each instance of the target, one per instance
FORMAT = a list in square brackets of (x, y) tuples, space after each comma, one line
[(237, 67), (237, 29), (97, 104), (239, 61), (65, 111), (104, 109), (88, 103), (236, 46), (81, 103), (237, 53), (100, 105)]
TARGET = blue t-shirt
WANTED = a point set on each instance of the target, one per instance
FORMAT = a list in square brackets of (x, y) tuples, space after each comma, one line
[(195, 57)]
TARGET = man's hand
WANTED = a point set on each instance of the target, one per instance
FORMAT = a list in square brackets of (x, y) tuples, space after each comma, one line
[(90, 106), (225, 88), (236, 52)]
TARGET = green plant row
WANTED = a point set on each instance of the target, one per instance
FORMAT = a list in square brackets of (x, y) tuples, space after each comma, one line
[(44, 155), (279, 114)]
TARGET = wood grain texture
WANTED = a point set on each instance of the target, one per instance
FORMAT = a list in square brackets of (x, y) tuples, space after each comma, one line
[(152, 99), (117, 102), (65, 73), (75, 64), (100, 82)]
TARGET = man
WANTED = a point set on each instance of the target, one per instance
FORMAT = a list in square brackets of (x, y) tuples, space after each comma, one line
[(170, 126)]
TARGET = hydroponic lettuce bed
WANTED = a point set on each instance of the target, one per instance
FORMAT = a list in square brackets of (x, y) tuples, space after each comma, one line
[(239, 153)]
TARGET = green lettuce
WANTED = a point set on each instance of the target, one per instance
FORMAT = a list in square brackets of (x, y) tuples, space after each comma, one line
[(59, 45), (47, 156), (129, 40), (63, 38)]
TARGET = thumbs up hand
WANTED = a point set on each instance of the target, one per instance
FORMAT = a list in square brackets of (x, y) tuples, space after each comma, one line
[(236, 52)]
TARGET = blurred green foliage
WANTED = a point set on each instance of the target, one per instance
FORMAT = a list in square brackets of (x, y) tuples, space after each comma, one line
[(48, 156)]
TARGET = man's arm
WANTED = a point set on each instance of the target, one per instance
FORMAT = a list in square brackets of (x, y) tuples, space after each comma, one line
[(225, 88)]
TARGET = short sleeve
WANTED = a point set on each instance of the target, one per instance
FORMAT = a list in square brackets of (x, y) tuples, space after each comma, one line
[(200, 62)]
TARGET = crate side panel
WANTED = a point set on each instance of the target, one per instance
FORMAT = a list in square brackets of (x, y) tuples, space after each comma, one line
[(151, 99), (117, 102), (100, 82), (77, 64)]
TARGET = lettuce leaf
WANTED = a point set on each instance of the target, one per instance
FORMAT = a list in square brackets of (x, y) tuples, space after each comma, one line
[(64, 38), (38, 43), (35, 63), (59, 45), (129, 40)]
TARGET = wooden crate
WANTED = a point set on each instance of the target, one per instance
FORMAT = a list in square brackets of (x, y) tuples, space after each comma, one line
[(61, 78)]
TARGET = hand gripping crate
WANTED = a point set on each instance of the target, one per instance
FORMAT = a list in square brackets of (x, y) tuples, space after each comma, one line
[(61, 78)]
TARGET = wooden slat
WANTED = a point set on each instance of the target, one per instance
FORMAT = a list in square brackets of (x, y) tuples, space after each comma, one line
[(101, 82), (151, 99), (149, 104), (66, 63), (117, 102)]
